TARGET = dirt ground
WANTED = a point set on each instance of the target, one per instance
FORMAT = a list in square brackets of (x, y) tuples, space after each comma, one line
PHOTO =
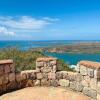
[(44, 93)]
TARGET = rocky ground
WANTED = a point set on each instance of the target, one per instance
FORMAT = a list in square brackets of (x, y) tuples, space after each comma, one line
[(44, 93)]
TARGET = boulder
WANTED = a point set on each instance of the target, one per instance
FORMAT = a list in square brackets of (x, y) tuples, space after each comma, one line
[(64, 82), (37, 83)]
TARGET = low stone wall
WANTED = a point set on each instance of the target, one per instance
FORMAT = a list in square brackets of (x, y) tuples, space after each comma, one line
[(86, 79)]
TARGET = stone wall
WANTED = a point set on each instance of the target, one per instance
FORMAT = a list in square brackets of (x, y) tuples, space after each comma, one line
[(85, 80)]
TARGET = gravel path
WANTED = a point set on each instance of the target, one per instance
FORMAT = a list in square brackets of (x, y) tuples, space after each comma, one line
[(43, 93)]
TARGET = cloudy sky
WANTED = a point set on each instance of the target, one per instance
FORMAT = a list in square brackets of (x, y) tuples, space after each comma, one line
[(49, 19)]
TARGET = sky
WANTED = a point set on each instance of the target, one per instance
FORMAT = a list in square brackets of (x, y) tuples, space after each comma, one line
[(49, 19)]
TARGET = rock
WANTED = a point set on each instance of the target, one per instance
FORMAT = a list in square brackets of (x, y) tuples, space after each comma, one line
[(83, 70), (45, 82), (77, 68), (93, 83), (54, 83), (12, 77), (78, 77), (7, 69), (37, 83), (23, 76), (39, 76), (29, 83), (18, 77), (5, 79), (12, 68), (46, 69), (54, 62), (1, 80), (90, 72), (39, 64), (64, 82), (79, 87), (98, 87), (1, 70), (54, 68), (59, 75), (90, 92), (45, 75), (85, 83), (72, 85), (51, 75), (87, 79)]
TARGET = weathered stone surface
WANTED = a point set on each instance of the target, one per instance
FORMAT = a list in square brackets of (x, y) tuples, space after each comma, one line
[(12, 77), (97, 73), (39, 64), (11, 86), (79, 87), (78, 77), (29, 83), (51, 75), (98, 87), (6, 68), (87, 79), (39, 76), (90, 92), (37, 83), (64, 82), (18, 77), (23, 76), (45, 75), (45, 82), (54, 83), (1, 80), (85, 83), (59, 75), (93, 83), (72, 85), (1, 70), (12, 68), (83, 70), (90, 72), (5, 79), (54, 68), (46, 69), (53, 62)]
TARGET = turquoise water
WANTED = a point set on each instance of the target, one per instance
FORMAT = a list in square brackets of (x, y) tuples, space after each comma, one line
[(74, 58), (70, 58)]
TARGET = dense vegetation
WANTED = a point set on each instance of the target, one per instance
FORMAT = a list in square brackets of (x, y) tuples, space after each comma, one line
[(25, 60)]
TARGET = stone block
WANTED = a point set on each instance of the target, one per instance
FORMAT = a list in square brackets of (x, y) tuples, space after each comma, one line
[(45, 82), (52, 75), (45, 75), (90, 92), (5, 79), (7, 68), (1, 80), (97, 73), (83, 70), (1, 70), (46, 69), (18, 77), (12, 68), (29, 83), (79, 87), (87, 79), (54, 68), (59, 75), (39, 64), (37, 83), (12, 77), (54, 83), (98, 87), (93, 83), (85, 83), (39, 76), (64, 82), (53, 62), (72, 85), (78, 77), (90, 72), (23, 76)]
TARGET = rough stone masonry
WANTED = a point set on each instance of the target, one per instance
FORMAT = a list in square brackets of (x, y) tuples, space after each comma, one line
[(86, 79)]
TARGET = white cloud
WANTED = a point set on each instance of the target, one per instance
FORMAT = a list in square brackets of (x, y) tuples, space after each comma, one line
[(25, 22), (5, 31), (51, 19)]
